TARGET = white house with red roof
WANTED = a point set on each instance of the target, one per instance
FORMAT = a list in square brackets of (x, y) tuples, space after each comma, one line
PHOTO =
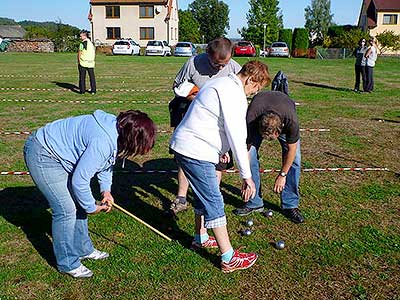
[(141, 21)]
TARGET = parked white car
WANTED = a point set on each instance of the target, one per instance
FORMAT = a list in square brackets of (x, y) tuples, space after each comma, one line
[(280, 49), (185, 49), (127, 47), (159, 48)]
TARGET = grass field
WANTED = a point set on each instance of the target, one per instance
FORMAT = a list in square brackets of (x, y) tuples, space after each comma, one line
[(349, 247)]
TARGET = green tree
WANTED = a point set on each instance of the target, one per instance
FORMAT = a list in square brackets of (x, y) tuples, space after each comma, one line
[(318, 20), (262, 12), (213, 17), (348, 39), (188, 27), (388, 40)]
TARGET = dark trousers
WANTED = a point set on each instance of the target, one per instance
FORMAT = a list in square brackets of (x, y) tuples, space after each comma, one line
[(360, 73), (82, 79), (369, 74)]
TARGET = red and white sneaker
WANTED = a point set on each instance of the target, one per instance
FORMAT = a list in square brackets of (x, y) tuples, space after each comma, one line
[(211, 243), (239, 261)]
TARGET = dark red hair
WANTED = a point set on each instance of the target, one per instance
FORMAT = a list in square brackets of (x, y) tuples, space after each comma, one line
[(136, 133)]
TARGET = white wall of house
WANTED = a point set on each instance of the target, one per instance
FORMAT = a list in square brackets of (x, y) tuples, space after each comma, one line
[(130, 24)]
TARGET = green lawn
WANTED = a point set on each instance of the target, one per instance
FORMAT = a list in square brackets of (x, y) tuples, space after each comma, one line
[(349, 247)]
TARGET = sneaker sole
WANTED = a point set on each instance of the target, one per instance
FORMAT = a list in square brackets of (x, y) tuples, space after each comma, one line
[(242, 268), (261, 209)]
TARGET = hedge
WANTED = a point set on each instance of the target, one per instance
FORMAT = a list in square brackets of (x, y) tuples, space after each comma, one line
[(286, 35), (300, 38)]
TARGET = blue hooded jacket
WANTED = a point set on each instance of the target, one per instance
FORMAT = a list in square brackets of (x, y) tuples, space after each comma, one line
[(85, 146)]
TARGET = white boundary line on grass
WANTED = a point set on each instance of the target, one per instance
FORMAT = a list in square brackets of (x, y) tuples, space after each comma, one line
[(87, 101), (69, 76), (99, 90), (162, 131), (262, 171), (93, 101)]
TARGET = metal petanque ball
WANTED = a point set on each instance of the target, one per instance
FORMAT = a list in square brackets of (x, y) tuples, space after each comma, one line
[(247, 232), (280, 245), (250, 222), (269, 213)]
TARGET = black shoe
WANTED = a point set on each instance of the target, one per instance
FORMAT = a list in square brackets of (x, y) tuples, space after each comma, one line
[(294, 215), (244, 211)]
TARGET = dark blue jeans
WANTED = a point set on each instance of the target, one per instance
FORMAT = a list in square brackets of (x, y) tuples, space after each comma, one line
[(290, 196)]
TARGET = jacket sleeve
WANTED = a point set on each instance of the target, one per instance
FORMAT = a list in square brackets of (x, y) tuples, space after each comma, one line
[(91, 161), (234, 106), (185, 74), (105, 179)]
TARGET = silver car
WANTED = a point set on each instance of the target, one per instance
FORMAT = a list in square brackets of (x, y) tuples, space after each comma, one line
[(279, 49), (185, 49)]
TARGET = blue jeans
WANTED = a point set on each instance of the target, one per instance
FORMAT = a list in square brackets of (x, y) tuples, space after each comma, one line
[(290, 196), (203, 180), (69, 221)]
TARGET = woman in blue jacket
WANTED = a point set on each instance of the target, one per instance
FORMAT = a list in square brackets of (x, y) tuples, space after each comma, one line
[(63, 156)]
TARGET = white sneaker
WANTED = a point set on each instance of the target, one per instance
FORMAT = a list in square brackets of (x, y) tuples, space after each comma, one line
[(80, 272), (96, 254)]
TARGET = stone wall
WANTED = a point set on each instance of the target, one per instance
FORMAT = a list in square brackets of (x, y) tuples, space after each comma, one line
[(33, 45)]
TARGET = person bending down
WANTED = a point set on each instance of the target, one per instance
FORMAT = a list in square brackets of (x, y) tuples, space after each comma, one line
[(271, 116), (63, 156), (215, 63), (215, 123)]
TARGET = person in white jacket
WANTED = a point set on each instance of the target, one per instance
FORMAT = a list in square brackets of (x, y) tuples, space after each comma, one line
[(215, 123)]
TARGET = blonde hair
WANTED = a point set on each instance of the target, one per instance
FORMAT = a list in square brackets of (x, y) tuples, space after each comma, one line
[(257, 71)]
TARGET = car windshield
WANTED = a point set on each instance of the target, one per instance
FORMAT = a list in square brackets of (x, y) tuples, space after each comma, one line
[(183, 45), (279, 45), (121, 43), (154, 43), (244, 44)]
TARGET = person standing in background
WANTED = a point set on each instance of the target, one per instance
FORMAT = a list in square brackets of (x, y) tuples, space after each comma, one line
[(86, 57), (371, 55), (359, 67)]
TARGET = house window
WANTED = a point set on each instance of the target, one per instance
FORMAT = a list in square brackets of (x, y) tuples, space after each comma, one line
[(146, 11), (147, 33), (113, 33), (389, 19), (176, 33), (112, 12)]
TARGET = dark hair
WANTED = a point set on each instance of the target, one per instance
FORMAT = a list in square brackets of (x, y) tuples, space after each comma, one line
[(270, 125), (258, 72), (220, 48), (85, 32), (136, 133)]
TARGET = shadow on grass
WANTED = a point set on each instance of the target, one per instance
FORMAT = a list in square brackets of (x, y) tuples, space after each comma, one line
[(26, 208), (385, 120), (323, 86), (68, 86), (130, 190)]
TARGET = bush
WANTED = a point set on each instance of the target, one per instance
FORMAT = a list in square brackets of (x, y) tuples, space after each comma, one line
[(388, 40), (348, 39), (300, 41), (286, 35)]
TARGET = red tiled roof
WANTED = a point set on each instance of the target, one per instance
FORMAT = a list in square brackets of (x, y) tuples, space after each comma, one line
[(105, 2), (387, 5)]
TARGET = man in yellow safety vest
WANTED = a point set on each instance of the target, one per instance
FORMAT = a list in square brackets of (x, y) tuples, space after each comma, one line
[(86, 57)]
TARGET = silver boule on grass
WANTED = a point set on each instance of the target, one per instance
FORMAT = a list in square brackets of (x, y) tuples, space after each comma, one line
[(250, 222), (280, 245), (269, 213), (247, 232)]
